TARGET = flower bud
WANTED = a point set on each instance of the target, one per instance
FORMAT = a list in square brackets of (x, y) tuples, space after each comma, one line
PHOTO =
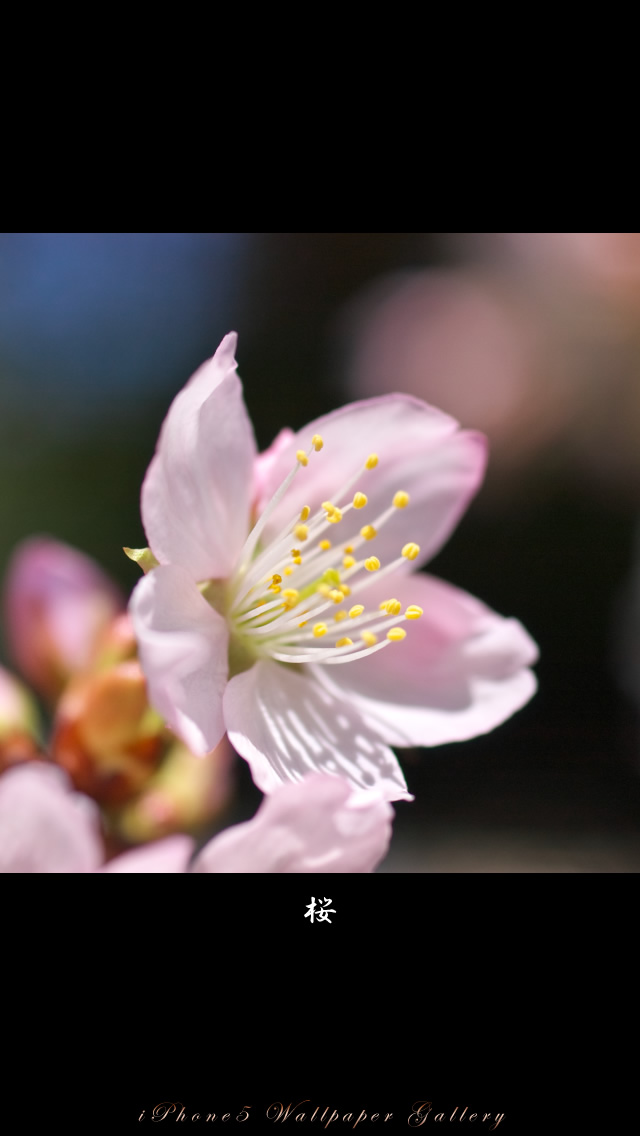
[(106, 735), (19, 724), (57, 604)]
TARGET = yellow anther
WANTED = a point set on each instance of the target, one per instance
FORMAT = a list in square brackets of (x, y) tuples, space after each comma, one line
[(345, 589), (339, 616), (319, 629), (325, 545), (348, 549), (411, 551), (336, 595), (356, 610), (305, 514), (297, 560), (371, 461), (276, 579), (368, 532), (372, 564), (302, 457), (396, 634), (401, 499), (324, 590), (414, 612), (360, 500), (369, 638), (334, 517), (328, 506), (348, 562), (346, 642), (317, 442), (292, 595), (304, 623), (295, 552), (301, 531), (288, 571), (275, 588), (392, 607)]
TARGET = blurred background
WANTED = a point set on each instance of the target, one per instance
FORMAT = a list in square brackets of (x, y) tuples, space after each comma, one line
[(533, 338)]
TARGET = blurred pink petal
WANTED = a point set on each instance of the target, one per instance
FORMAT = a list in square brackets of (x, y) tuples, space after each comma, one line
[(57, 604), (168, 856), (376, 487), (308, 827), (43, 826)]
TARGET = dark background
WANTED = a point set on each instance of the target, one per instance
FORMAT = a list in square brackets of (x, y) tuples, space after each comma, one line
[(98, 332)]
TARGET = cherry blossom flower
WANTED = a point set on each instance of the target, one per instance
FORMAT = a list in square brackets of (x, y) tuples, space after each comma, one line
[(314, 826), (284, 606)]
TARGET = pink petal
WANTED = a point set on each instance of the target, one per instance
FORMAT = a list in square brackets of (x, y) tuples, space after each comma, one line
[(57, 602), (183, 648), (265, 461), (287, 726), (44, 825), (170, 855), (461, 671), (196, 496), (420, 450), (308, 827)]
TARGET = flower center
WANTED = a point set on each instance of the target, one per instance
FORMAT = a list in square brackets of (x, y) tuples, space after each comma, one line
[(293, 600)]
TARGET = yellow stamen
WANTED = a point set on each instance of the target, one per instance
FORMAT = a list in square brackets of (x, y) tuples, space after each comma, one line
[(345, 589), (369, 638), (319, 629), (368, 532), (339, 616), (411, 551), (324, 590), (348, 549), (292, 595), (356, 610), (336, 595), (348, 562), (297, 560), (392, 606), (346, 642), (360, 500), (325, 545), (317, 442), (288, 571), (414, 612), (301, 531), (276, 579), (396, 634), (304, 515), (371, 461), (302, 457), (334, 517), (401, 499), (372, 564), (295, 552), (304, 623), (275, 588)]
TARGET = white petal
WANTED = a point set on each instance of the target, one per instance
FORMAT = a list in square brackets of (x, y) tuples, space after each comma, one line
[(420, 450), (183, 646), (460, 672), (196, 496), (287, 726)]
